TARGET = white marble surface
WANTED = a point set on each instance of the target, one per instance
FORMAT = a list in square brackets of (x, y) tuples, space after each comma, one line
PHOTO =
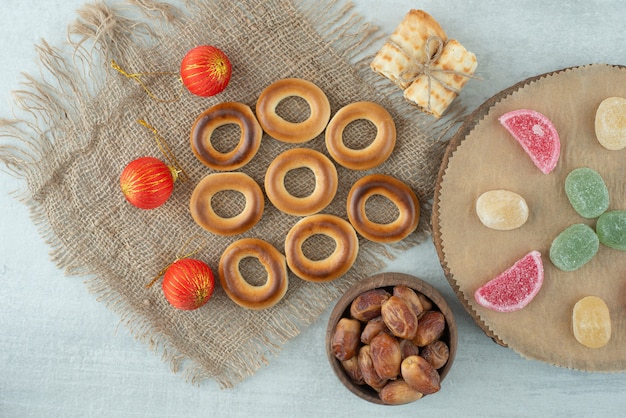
[(64, 354)]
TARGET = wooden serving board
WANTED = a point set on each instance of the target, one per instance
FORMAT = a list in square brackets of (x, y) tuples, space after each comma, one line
[(482, 156)]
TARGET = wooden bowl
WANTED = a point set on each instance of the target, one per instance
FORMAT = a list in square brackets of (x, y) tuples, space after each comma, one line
[(387, 281)]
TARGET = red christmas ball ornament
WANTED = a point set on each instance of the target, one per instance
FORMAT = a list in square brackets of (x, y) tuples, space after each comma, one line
[(188, 284), (147, 182), (205, 70)]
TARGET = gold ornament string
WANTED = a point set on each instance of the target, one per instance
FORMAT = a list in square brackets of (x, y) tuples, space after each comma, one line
[(188, 254), (137, 78), (179, 172), (429, 68)]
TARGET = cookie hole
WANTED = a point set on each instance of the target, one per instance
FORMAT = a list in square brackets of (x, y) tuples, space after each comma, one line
[(228, 203), (379, 209), (318, 247), (225, 138), (253, 271), (293, 109), (300, 182), (359, 134)]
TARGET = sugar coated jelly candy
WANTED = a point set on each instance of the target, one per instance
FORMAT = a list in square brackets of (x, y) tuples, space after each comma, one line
[(611, 229), (574, 247), (587, 192), (537, 136), (502, 210), (591, 322), (515, 287), (610, 123)]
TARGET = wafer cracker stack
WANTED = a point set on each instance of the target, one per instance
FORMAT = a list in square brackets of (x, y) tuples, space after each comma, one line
[(420, 59), (434, 90), (407, 45)]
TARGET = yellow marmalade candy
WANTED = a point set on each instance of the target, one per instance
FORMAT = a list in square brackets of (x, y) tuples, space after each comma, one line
[(591, 322), (610, 123), (502, 210)]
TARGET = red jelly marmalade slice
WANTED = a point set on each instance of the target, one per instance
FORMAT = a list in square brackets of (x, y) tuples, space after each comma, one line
[(514, 288), (537, 136)]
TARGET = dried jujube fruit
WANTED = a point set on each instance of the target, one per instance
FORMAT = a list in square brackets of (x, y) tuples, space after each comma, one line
[(386, 356), (427, 304), (386, 325), (370, 376), (410, 297), (399, 318), (351, 366), (420, 375), (408, 348), (346, 338), (431, 326), (372, 329), (398, 392), (367, 305), (436, 353)]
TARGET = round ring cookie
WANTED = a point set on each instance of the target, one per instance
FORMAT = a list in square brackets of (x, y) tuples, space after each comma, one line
[(336, 264), (224, 114), (398, 193), (235, 285), (202, 210), (376, 152), (291, 132), (326, 181)]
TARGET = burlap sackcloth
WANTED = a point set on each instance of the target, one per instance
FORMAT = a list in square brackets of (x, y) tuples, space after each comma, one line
[(79, 130)]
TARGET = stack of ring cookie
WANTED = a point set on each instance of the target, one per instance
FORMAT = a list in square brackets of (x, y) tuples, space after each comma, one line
[(342, 232)]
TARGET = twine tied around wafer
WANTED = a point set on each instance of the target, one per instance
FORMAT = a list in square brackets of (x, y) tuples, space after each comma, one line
[(185, 254), (429, 68)]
